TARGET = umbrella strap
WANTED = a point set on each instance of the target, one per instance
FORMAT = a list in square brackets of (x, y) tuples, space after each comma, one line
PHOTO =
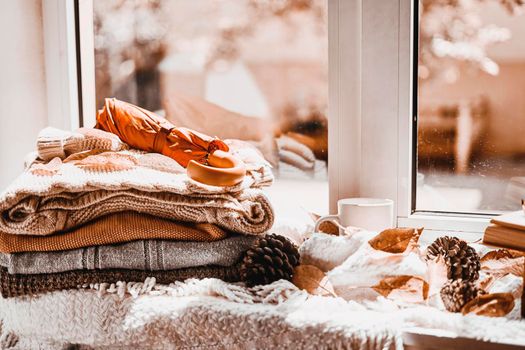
[(160, 139)]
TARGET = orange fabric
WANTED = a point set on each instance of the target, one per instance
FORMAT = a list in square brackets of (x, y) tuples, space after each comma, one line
[(147, 131), (114, 228)]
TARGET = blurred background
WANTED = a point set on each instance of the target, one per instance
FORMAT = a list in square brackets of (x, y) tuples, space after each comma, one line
[(471, 126), (258, 70)]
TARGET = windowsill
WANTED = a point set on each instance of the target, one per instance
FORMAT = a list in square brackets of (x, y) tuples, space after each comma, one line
[(463, 224), (434, 339)]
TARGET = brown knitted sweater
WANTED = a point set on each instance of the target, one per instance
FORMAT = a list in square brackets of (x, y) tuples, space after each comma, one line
[(114, 228), (18, 285)]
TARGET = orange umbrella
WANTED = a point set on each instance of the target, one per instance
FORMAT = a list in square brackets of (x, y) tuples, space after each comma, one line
[(206, 158)]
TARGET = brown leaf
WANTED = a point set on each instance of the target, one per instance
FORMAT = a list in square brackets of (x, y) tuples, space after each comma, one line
[(501, 254), (327, 227), (504, 266), (492, 305), (396, 240), (496, 255), (404, 288), (313, 280)]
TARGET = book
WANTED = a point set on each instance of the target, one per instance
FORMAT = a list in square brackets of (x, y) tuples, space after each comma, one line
[(504, 236), (515, 220)]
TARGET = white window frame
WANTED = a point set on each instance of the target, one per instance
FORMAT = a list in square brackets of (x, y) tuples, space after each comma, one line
[(70, 79), (370, 99), (60, 64), (371, 110)]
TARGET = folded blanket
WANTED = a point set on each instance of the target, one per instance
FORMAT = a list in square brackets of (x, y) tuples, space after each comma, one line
[(114, 228), (148, 255), (62, 195), (13, 285)]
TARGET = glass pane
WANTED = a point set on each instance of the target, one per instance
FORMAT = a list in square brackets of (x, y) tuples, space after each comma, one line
[(471, 113), (258, 69)]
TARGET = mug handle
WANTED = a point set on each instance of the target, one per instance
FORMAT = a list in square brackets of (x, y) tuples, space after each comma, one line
[(326, 218)]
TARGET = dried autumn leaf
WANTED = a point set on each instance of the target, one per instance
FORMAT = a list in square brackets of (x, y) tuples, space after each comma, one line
[(492, 305), (313, 280), (396, 240), (328, 227), (404, 288), (502, 254), (496, 255), (504, 266)]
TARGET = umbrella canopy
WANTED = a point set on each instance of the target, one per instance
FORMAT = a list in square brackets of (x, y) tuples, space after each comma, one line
[(147, 131), (206, 158)]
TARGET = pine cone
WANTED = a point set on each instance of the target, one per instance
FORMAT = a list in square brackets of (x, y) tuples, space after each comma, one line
[(461, 259), (272, 258), (455, 294)]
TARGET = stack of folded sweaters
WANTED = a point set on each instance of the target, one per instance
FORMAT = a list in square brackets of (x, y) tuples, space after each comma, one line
[(88, 210)]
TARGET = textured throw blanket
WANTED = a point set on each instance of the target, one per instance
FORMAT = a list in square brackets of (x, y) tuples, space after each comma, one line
[(148, 255), (197, 314), (113, 228), (212, 314), (13, 285), (63, 194)]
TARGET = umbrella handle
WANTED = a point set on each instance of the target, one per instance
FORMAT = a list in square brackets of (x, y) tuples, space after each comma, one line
[(224, 169)]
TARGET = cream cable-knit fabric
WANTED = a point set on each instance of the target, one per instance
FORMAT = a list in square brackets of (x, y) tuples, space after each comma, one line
[(212, 314), (61, 195), (61, 143), (52, 143), (204, 314)]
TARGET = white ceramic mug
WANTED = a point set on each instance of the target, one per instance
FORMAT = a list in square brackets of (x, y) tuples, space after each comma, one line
[(373, 214)]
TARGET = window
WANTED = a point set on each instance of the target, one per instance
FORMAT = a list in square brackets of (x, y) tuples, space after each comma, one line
[(471, 114), (370, 70), (258, 70)]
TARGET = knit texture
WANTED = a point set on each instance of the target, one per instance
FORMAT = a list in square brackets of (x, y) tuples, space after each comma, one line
[(211, 314), (61, 194), (203, 314), (114, 228), (42, 205), (54, 142), (148, 255), (13, 285), (61, 143)]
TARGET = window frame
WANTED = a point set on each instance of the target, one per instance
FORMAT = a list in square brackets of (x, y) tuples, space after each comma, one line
[(371, 104), (69, 66), (382, 125), (58, 18)]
